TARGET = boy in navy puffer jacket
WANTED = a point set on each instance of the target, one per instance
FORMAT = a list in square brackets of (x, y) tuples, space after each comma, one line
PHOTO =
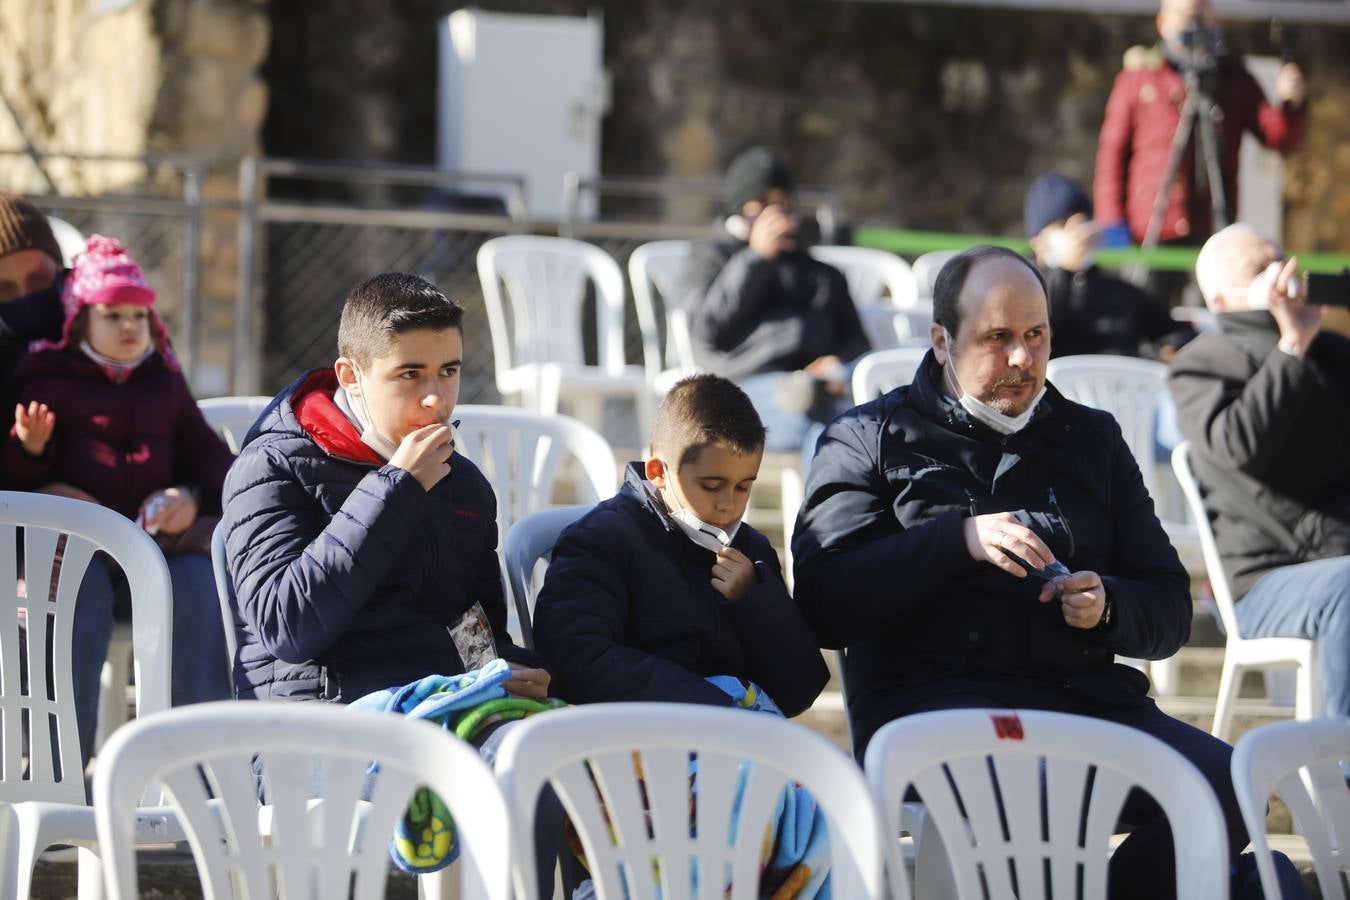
[(356, 537), (663, 585)]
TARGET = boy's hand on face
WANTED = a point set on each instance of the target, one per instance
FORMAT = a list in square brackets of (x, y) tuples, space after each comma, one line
[(425, 454), (733, 574), (34, 426), (532, 684)]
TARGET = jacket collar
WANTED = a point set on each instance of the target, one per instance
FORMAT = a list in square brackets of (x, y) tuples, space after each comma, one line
[(635, 486), (327, 425), (1255, 323)]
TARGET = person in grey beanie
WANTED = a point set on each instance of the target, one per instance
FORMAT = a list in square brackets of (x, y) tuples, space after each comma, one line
[(766, 314)]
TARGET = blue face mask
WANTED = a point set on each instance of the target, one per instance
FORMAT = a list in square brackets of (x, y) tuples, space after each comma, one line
[(34, 317)]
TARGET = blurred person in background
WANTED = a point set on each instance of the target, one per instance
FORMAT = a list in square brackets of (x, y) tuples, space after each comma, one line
[(31, 271), (1090, 310), (766, 314), (1265, 403)]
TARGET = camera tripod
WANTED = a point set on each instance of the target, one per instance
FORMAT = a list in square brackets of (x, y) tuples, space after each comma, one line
[(1198, 113)]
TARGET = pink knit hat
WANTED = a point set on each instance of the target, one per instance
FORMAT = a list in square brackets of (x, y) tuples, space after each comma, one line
[(105, 273)]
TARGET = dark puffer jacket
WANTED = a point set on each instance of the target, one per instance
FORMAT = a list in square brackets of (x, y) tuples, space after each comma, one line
[(628, 612), (118, 442), (882, 566), (1270, 435), (347, 573)]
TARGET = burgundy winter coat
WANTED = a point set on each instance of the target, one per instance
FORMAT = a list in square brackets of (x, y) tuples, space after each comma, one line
[(119, 442)]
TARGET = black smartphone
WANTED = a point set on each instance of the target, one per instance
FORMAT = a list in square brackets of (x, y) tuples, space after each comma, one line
[(1328, 290)]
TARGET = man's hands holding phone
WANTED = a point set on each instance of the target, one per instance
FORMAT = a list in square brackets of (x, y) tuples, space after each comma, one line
[(425, 454), (999, 539)]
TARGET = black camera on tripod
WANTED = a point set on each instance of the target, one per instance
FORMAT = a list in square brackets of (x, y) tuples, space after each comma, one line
[(1202, 47)]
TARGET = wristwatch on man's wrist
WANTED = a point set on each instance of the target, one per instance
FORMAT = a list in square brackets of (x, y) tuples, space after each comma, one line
[(1105, 620)]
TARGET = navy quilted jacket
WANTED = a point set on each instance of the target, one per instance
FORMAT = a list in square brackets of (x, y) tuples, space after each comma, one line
[(628, 612), (346, 572)]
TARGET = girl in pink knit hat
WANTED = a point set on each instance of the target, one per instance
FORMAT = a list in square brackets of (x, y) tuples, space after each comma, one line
[(105, 415)]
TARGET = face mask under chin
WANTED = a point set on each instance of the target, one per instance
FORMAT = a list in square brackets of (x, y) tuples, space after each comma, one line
[(371, 436), (982, 412)]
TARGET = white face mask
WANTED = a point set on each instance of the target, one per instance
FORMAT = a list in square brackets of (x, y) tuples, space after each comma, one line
[(710, 537), (1057, 248), (1258, 292), (370, 435), (982, 412)]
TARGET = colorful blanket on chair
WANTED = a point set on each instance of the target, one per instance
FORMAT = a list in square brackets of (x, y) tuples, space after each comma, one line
[(795, 861), (424, 839)]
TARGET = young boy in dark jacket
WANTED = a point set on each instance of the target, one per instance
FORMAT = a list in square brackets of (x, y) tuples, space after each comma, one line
[(356, 537), (663, 585)]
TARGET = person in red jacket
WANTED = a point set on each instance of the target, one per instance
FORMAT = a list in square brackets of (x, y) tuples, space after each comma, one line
[(105, 415), (1144, 110)]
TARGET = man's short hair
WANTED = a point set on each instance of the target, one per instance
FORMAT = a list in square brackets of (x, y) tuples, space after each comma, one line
[(702, 410), (1231, 259), (951, 280), (391, 304)]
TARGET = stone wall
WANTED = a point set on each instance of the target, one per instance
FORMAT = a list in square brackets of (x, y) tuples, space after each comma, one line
[(928, 117)]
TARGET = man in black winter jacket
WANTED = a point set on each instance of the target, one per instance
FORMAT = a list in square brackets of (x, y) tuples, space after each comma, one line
[(766, 314), (1265, 403), (933, 520)]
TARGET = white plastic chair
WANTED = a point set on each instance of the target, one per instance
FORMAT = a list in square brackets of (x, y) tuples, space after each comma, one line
[(297, 846), (537, 335), (882, 371), (581, 748), (654, 271), (233, 416), (68, 238), (872, 273), (926, 269), (42, 779), (1303, 763), (521, 453), (526, 552), (1011, 789), (1242, 653)]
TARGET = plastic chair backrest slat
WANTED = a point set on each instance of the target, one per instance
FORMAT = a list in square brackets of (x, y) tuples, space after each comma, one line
[(872, 273), (1209, 547), (654, 272)]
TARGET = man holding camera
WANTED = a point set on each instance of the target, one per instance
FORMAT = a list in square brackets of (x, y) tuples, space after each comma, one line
[(1144, 112), (1265, 403), (765, 313)]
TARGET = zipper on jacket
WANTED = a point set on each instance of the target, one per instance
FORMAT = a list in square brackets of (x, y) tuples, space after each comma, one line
[(1068, 529)]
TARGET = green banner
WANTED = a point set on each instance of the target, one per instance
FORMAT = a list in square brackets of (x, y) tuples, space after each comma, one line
[(1174, 259)]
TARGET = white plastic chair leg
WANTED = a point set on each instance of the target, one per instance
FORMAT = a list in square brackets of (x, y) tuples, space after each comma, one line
[(442, 885), (1307, 703), (113, 680), (90, 883), (1165, 675), (1223, 706)]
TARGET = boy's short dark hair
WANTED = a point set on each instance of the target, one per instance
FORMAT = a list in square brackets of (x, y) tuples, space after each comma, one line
[(701, 410), (390, 304)]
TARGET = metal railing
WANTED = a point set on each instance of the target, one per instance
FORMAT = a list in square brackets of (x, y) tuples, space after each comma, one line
[(300, 258)]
